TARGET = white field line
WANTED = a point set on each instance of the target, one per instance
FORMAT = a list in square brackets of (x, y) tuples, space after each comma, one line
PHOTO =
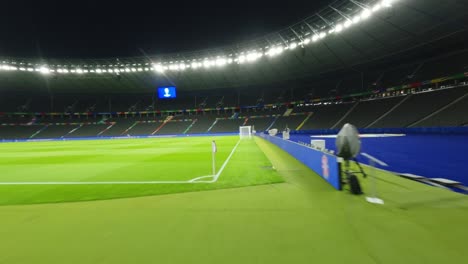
[(195, 180)]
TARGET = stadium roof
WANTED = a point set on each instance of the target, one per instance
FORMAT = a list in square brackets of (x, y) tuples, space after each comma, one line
[(345, 35)]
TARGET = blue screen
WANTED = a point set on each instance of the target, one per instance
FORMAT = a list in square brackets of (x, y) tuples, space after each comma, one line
[(166, 92)]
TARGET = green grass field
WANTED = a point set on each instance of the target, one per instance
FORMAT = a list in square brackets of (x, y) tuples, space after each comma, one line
[(252, 214), (56, 171)]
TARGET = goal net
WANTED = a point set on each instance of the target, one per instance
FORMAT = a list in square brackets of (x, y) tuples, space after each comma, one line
[(245, 131)]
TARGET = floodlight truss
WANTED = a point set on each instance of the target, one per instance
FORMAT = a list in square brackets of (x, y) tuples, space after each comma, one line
[(333, 19)]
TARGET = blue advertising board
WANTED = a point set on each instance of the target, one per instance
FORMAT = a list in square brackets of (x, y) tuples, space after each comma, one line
[(324, 164)]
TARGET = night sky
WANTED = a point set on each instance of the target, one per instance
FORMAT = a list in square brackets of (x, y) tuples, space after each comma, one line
[(102, 29)]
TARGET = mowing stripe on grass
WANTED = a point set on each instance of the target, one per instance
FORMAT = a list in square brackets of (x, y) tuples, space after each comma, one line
[(195, 180)]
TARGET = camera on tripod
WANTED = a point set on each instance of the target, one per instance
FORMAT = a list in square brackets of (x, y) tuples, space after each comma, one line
[(348, 146)]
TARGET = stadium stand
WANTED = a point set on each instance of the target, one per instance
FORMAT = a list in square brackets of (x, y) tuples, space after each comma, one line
[(325, 116), (86, 131), (227, 125), (174, 127), (417, 106), (18, 132), (203, 122), (369, 110), (453, 115), (56, 131), (261, 123)]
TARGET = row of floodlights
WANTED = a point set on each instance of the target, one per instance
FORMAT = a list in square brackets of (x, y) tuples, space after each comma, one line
[(242, 58)]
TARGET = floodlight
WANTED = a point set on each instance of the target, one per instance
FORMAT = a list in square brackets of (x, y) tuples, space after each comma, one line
[(22, 69), (182, 66), (315, 38), (174, 67), (356, 19), (220, 62), (306, 41), (253, 56), (194, 65), (275, 51), (158, 68), (229, 61), (348, 23), (376, 7), (331, 31), (207, 63), (241, 59), (322, 35), (44, 70), (293, 45), (338, 28), (366, 13), (279, 50), (387, 3), (79, 71), (98, 71), (133, 69)]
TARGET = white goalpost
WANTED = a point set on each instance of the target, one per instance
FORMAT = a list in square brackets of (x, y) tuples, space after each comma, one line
[(245, 131)]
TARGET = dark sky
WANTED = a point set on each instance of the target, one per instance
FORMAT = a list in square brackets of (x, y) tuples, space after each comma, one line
[(101, 29)]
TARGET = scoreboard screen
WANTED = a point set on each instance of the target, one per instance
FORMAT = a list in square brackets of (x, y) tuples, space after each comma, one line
[(167, 92)]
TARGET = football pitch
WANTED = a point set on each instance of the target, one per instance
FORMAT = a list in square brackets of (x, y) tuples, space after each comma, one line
[(265, 207), (64, 171)]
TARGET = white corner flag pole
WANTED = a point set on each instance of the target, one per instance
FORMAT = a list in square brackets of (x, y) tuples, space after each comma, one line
[(213, 155)]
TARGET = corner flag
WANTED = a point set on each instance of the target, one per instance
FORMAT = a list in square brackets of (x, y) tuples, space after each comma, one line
[(213, 158), (213, 146)]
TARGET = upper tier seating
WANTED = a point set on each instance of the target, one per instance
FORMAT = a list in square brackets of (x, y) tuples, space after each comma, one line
[(366, 112), (418, 106)]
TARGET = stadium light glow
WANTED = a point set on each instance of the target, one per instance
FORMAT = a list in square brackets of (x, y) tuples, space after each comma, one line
[(221, 62), (376, 7), (366, 13), (348, 23), (194, 63), (207, 63), (338, 28), (356, 19), (275, 51), (387, 3), (158, 68), (253, 56), (241, 59), (44, 70)]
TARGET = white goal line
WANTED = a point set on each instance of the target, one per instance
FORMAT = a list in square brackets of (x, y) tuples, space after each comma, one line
[(192, 181)]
